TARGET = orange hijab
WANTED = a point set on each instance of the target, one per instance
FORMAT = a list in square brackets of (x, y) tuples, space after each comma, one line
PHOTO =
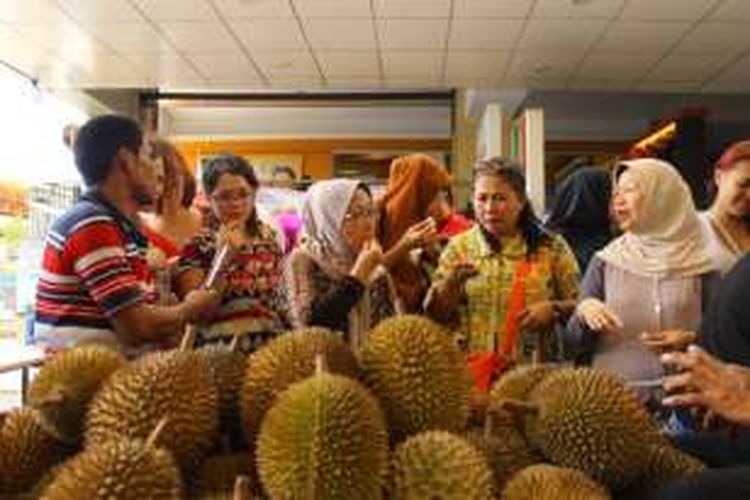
[(414, 181)]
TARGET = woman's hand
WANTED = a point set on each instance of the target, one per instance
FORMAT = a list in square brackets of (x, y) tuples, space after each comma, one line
[(460, 274), (537, 317), (668, 340), (368, 259), (420, 234), (706, 382), (597, 316)]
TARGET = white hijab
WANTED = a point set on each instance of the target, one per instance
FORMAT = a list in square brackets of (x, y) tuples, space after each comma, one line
[(667, 238), (322, 217)]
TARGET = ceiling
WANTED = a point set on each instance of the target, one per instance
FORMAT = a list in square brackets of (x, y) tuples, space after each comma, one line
[(634, 45)]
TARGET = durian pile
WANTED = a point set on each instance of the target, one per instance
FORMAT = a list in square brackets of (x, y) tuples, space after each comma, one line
[(306, 418)]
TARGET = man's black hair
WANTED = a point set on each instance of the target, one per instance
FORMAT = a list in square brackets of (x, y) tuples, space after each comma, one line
[(98, 142)]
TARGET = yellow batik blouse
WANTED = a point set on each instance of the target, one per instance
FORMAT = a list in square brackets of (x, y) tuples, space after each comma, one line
[(554, 275)]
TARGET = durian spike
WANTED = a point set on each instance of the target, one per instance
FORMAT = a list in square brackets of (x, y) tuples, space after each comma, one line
[(235, 342), (188, 338), (154, 436), (242, 488), (519, 408), (320, 364)]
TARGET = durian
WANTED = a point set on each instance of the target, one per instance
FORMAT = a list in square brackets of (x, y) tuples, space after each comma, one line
[(589, 420), (665, 463), (438, 464), (121, 469), (418, 374), (228, 367), (517, 383), (175, 384), (504, 447), (324, 438), (285, 360), (27, 451), (66, 384), (547, 482)]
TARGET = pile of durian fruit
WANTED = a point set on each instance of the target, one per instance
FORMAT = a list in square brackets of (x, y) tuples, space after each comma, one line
[(304, 418)]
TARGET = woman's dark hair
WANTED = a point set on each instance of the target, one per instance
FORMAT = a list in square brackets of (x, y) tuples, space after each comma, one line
[(232, 165), (98, 142), (507, 169)]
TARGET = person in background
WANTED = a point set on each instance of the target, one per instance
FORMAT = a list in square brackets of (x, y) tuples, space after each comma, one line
[(449, 222), (254, 304), (726, 225), (173, 223), (704, 383), (404, 224), (336, 278), (93, 280), (646, 291), (580, 212), (506, 276), (725, 334)]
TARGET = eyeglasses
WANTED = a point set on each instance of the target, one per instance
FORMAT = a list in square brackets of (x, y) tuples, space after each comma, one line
[(362, 213), (227, 197)]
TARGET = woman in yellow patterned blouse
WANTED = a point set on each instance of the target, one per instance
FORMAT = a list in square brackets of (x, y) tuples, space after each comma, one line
[(507, 277)]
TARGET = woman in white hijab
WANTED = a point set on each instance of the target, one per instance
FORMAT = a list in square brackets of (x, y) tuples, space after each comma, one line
[(335, 277), (644, 292)]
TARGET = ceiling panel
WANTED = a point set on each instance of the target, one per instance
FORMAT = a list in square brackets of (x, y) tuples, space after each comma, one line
[(35, 11), (487, 34), (650, 10), (598, 9), (21, 52), (349, 64), (413, 83), (559, 34), (166, 69), (413, 64), (176, 10), (331, 9), (412, 34), (611, 85), (340, 34), (709, 37), (735, 79), (270, 34), (130, 36), (63, 37), (284, 65), (482, 9), (638, 36), (413, 8), (542, 65), (352, 82), (682, 67), (225, 67), (90, 12), (621, 67), (676, 87), (732, 10), (462, 66), (199, 37), (233, 10)]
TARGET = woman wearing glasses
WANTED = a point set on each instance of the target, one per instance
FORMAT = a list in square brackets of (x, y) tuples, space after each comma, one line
[(253, 303), (335, 278)]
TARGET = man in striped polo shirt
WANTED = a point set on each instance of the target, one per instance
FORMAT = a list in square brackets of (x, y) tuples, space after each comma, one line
[(92, 287)]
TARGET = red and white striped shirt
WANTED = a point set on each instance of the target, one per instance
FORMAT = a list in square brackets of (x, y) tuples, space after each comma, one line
[(93, 266)]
